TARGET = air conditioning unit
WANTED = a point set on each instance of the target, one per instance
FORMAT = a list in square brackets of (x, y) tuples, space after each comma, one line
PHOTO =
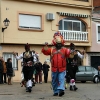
[(50, 16)]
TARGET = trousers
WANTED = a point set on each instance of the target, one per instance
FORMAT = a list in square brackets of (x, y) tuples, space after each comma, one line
[(28, 72), (38, 77), (45, 77), (58, 81)]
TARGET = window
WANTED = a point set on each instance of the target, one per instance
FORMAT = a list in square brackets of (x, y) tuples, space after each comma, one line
[(14, 61), (94, 69), (72, 24), (30, 21), (98, 32), (81, 68), (88, 69)]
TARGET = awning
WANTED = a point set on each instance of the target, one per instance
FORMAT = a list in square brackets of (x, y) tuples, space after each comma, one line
[(73, 15)]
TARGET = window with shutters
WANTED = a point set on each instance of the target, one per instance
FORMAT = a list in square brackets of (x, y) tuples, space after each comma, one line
[(30, 22)]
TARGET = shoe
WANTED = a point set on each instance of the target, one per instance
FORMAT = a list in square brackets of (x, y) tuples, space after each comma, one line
[(55, 94), (61, 93), (9, 84), (71, 88), (75, 88), (33, 84), (5, 82), (45, 82), (40, 82), (29, 89), (65, 88)]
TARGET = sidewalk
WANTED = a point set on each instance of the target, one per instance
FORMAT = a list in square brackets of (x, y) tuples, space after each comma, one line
[(88, 91)]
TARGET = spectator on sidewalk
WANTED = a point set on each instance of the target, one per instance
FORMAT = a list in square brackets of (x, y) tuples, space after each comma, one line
[(38, 75), (4, 72), (9, 70), (36, 59), (1, 71), (45, 71)]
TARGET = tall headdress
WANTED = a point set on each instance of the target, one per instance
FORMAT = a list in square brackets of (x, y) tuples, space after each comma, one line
[(27, 46), (72, 46)]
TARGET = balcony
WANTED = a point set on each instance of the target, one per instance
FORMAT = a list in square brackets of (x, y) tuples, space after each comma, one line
[(74, 36)]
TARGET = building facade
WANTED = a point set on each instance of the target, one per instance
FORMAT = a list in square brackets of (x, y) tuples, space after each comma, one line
[(36, 21), (94, 51)]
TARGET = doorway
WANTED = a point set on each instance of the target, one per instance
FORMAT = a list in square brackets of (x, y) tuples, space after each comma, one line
[(95, 61)]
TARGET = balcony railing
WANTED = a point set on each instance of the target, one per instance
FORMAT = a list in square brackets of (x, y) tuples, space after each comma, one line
[(74, 35)]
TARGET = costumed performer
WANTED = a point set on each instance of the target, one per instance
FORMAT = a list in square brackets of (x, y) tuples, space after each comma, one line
[(28, 65), (73, 62), (58, 55)]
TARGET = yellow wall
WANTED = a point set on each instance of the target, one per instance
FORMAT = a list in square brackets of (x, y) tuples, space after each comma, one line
[(13, 35)]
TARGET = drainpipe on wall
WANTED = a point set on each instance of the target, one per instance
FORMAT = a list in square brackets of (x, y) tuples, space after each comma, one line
[(84, 60)]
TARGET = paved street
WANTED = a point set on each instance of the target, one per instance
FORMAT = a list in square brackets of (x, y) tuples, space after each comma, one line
[(86, 91)]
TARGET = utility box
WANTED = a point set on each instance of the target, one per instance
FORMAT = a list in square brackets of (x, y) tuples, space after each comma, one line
[(50, 16)]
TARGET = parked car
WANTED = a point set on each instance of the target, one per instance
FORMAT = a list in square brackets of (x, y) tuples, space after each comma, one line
[(87, 73)]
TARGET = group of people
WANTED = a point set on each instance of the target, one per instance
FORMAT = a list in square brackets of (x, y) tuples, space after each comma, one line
[(39, 70), (64, 63), (6, 71)]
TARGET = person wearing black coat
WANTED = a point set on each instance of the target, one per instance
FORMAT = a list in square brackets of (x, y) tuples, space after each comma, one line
[(1, 71), (38, 75), (9, 70), (45, 71)]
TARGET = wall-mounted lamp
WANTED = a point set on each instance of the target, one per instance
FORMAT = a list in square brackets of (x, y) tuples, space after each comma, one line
[(6, 23)]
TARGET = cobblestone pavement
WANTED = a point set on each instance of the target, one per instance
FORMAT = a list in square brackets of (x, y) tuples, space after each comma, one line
[(86, 91)]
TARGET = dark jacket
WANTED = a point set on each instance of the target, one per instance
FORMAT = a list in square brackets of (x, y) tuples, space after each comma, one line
[(38, 66), (1, 67), (9, 69), (45, 68)]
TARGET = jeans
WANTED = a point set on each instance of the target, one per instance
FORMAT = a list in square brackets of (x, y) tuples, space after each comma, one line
[(58, 81)]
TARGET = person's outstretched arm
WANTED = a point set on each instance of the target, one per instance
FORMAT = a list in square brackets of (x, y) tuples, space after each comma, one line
[(80, 55), (18, 57)]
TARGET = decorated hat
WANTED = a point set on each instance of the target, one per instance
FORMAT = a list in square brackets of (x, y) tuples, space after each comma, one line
[(27, 46), (57, 34), (72, 46)]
